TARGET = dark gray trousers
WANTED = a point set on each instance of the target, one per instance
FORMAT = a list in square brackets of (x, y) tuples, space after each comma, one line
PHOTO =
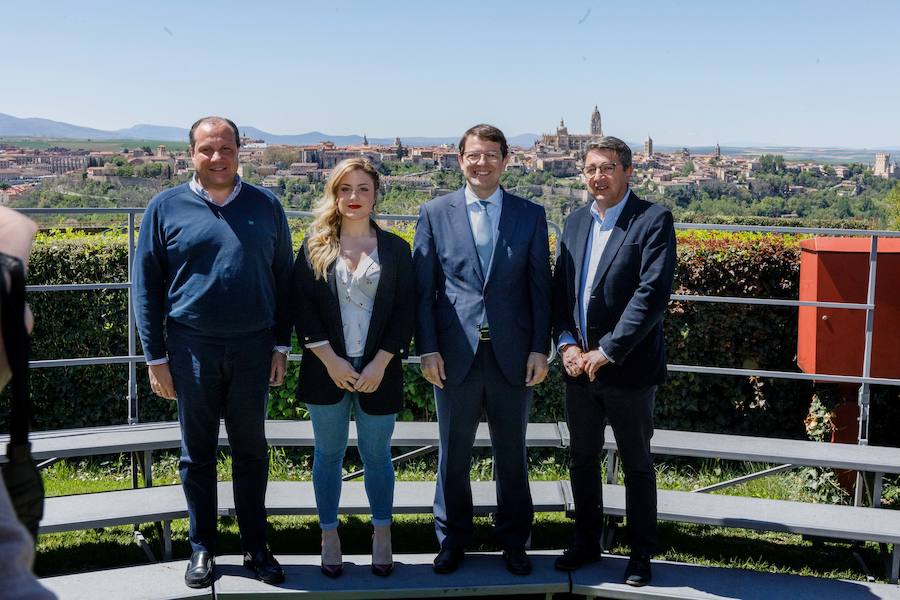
[(459, 409), (630, 414)]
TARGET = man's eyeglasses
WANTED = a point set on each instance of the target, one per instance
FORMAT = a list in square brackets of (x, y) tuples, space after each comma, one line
[(474, 157), (605, 169)]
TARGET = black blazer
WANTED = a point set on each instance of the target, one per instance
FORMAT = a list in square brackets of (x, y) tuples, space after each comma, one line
[(317, 317), (629, 294)]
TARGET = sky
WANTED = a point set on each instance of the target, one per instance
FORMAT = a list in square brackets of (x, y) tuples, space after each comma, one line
[(787, 72)]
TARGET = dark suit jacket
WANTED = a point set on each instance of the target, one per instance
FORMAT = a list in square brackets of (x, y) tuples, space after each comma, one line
[(629, 295), (317, 317), (451, 289)]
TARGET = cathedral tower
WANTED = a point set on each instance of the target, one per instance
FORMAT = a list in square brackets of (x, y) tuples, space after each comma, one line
[(596, 127)]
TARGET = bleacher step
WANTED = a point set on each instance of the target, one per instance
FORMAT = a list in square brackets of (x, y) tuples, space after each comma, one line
[(682, 581), (480, 574)]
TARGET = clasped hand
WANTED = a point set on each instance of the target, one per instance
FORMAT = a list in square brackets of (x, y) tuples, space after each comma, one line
[(576, 361), (347, 378)]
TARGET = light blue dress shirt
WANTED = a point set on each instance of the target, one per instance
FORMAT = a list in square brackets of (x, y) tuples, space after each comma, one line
[(198, 189), (598, 236)]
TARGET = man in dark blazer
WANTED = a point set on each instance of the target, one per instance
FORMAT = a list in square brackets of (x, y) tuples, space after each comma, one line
[(482, 265), (611, 288)]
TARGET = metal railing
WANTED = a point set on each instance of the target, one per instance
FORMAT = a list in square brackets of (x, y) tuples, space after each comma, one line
[(865, 380)]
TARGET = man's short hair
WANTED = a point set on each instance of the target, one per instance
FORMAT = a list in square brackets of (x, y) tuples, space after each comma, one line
[(212, 119), (485, 132), (608, 142)]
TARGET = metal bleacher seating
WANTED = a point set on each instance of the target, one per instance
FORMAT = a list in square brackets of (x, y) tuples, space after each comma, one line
[(165, 503)]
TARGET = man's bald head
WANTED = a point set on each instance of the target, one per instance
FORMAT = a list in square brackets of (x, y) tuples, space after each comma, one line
[(212, 120)]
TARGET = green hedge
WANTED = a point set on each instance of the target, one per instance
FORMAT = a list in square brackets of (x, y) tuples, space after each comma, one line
[(80, 324)]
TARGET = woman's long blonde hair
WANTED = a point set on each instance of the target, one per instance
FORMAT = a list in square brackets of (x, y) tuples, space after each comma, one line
[(324, 238)]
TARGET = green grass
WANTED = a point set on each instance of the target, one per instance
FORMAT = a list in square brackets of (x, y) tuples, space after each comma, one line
[(760, 551)]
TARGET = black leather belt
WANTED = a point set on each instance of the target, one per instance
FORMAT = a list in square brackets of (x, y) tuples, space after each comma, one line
[(484, 334)]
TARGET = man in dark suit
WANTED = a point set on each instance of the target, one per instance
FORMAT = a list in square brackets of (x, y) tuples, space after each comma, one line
[(611, 288), (481, 259)]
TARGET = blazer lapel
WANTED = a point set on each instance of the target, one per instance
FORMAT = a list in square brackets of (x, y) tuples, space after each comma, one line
[(509, 220), (462, 230), (578, 243), (381, 306), (614, 243), (334, 308)]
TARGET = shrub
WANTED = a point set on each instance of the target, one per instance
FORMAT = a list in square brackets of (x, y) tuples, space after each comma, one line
[(94, 323)]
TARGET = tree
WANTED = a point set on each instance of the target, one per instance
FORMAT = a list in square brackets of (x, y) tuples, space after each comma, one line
[(770, 206), (771, 163), (892, 201), (448, 179), (280, 157)]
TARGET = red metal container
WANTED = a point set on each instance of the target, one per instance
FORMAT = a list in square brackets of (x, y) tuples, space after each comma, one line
[(832, 340)]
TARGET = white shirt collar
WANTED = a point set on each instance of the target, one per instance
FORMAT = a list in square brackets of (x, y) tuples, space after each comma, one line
[(495, 198), (198, 189), (612, 214)]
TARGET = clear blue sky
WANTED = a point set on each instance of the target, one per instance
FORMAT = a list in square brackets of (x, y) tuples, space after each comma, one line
[(787, 72)]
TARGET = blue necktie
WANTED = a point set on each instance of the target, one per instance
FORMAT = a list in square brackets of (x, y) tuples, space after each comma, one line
[(484, 237), (484, 245)]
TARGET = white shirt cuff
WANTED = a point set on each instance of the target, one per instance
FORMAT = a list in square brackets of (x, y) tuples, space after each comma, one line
[(283, 349), (312, 345), (158, 361), (603, 352), (421, 356)]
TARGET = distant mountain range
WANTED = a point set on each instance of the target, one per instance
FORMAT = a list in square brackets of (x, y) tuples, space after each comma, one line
[(11, 126)]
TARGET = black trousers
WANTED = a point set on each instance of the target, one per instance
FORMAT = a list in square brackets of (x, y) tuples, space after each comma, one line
[(459, 409), (219, 378), (630, 414)]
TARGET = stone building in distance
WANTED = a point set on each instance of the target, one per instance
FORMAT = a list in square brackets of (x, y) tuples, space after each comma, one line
[(564, 141)]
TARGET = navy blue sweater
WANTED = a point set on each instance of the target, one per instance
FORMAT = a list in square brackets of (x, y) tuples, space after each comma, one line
[(222, 271)]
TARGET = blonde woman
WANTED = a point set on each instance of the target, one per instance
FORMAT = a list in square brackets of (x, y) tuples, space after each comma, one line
[(354, 319)]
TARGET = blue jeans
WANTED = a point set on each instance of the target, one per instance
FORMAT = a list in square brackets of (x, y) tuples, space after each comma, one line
[(331, 424)]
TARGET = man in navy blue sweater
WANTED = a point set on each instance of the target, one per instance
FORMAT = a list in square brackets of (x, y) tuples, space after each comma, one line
[(211, 278)]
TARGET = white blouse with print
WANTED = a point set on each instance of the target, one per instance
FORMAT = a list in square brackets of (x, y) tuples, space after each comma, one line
[(356, 295)]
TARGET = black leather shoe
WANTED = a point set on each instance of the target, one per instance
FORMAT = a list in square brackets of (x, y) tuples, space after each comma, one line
[(199, 573), (576, 557), (517, 562), (264, 566), (637, 573), (448, 560)]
